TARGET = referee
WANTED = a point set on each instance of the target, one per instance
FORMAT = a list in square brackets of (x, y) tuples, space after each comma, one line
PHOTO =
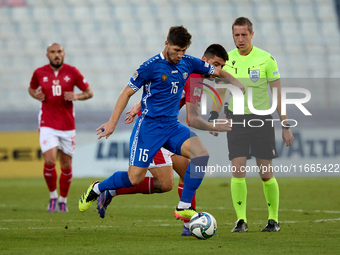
[(256, 69)]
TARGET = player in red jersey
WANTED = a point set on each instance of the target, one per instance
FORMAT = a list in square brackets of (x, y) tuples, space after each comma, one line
[(164, 162), (53, 85)]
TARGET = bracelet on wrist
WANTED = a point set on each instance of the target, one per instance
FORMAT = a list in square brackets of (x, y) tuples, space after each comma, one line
[(213, 116), (287, 126)]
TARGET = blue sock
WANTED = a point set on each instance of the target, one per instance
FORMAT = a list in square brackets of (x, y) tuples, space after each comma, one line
[(193, 177), (116, 181)]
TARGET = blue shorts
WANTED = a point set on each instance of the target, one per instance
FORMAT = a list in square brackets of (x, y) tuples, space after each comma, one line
[(150, 134)]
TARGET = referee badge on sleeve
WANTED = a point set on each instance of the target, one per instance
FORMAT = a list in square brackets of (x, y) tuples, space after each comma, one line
[(254, 75)]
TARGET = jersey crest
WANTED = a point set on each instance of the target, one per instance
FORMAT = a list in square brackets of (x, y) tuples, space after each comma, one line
[(164, 77), (254, 75)]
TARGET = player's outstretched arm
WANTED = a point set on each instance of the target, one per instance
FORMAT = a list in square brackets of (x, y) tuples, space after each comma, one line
[(196, 121), (217, 107), (107, 129), (229, 79)]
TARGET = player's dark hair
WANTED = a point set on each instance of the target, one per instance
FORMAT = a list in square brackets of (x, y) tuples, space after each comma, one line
[(242, 21), (179, 36), (216, 50)]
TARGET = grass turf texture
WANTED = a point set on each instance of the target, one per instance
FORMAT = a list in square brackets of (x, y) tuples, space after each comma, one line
[(144, 224)]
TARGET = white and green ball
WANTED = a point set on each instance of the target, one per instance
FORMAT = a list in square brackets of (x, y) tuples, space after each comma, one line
[(203, 225)]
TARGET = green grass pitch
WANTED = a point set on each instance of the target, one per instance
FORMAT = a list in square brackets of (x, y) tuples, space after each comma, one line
[(144, 224)]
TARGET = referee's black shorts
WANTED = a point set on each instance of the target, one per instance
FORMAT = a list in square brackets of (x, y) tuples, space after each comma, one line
[(251, 135)]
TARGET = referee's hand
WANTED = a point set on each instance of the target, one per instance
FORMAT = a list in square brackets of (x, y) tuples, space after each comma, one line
[(287, 137)]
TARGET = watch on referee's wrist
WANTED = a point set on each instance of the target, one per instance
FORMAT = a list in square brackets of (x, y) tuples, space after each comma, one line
[(287, 126)]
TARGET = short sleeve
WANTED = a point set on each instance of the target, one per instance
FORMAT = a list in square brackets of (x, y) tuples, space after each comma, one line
[(34, 84), (141, 76), (193, 89), (81, 82), (272, 70), (202, 67)]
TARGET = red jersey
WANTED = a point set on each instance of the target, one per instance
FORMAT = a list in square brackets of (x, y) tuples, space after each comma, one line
[(192, 91), (55, 112)]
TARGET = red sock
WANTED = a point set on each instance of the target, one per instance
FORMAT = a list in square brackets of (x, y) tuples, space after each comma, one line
[(193, 201), (50, 175), (65, 181), (145, 187)]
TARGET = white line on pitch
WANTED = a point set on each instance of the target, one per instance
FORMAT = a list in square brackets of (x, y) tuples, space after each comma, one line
[(171, 224), (9, 220), (297, 210)]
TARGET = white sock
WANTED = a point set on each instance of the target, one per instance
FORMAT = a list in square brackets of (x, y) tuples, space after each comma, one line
[(186, 224), (54, 194), (113, 192), (96, 188), (62, 200), (183, 205)]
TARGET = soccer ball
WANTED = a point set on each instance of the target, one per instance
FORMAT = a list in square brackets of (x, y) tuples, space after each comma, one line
[(202, 225)]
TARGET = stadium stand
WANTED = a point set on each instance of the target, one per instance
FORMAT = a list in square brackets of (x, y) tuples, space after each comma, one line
[(108, 39)]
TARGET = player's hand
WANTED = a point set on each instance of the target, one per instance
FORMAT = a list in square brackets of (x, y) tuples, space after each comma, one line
[(39, 95), (105, 130), (223, 125), (238, 84), (241, 87), (135, 109), (129, 119), (287, 137), (69, 96), (132, 113), (214, 133)]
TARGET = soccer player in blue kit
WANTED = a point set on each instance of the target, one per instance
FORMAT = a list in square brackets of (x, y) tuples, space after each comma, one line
[(162, 78)]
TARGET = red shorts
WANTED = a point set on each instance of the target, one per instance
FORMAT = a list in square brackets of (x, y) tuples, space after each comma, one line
[(162, 158)]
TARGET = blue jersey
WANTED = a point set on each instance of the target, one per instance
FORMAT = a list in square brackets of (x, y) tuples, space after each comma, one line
[(164, 82)]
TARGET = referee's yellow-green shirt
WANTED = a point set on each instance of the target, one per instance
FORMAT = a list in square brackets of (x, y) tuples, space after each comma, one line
[(254, 70)]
